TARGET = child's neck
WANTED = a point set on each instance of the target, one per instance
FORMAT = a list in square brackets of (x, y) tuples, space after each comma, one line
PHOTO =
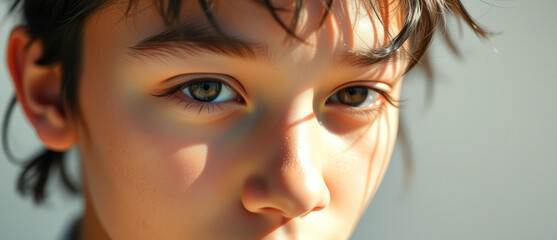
[(91, 227)]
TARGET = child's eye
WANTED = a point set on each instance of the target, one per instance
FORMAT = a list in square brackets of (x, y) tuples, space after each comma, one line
[(209, 95), (361, 102), (208, 91), (356, 96)]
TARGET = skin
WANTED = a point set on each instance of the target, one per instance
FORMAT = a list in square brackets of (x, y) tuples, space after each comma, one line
[(283, 163)]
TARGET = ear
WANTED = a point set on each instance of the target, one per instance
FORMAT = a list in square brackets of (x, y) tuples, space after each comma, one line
[(38, 91)]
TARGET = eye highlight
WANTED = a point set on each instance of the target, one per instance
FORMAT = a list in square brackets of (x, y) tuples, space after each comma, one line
[(208, 90), (360, 101), (204, 95), (357, 96)]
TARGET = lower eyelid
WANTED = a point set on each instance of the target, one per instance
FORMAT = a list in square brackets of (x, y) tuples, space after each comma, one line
[(195, 108), (360, 114), (365, 115)]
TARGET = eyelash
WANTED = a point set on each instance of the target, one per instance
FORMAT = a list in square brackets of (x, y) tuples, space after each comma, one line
[(370, 113), (390, 99), (365, 113), (191, 103)]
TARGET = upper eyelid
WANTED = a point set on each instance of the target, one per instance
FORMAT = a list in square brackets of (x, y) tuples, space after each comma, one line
[(371, 85), (179, 82), (385, 93)]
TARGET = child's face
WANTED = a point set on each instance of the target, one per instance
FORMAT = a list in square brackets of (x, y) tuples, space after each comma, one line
[(281, 147)]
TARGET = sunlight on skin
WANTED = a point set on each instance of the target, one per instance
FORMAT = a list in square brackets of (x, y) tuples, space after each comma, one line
[(304, 150), (282, 164)]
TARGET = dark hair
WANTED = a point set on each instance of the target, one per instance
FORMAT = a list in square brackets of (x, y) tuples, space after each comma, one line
[(59, 25)]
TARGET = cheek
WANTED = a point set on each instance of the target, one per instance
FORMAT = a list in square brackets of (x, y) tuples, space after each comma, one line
[(355, 173), (135, 172)]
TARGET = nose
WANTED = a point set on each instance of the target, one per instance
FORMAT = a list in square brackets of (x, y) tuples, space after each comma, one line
[(290, 182), (292, 185)]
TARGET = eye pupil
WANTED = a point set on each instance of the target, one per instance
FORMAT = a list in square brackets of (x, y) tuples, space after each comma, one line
[(206, 86), (353, 96), (205, 91)]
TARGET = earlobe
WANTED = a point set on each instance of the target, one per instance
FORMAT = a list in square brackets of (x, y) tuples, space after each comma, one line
[(38, 91)]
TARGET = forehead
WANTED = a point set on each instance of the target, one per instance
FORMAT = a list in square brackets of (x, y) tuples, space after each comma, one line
[(354, 24), (349, 27)]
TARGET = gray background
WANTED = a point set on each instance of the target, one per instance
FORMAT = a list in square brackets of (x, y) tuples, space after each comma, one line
[(484, 149)]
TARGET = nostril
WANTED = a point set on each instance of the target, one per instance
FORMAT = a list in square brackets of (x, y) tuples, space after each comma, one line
[(272, 210), (315, 209), (289, 193), (318, 208), (254, 196)]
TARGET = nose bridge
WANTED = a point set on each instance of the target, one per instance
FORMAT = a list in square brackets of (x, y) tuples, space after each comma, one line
[(300, 160), (300, 125), (300, 180), (300, 136), (293, 182)]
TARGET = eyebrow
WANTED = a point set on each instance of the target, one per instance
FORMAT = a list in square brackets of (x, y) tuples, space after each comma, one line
[(194, 40), (368, 57)]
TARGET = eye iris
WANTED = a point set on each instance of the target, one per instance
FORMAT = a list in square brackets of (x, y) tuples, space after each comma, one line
[(205, 91), (353, 96)]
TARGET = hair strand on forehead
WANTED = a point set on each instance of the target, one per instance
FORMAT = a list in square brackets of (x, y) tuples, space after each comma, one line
[(59, 24)]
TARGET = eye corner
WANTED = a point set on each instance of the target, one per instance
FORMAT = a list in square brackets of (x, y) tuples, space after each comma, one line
[(167, 92)]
